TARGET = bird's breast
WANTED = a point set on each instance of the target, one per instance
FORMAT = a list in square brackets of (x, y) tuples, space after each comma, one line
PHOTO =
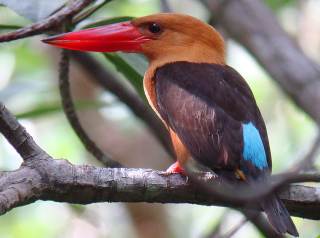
[(149, 90)]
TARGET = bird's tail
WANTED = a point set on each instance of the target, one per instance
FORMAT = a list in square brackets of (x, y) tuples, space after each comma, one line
[(279, 216)]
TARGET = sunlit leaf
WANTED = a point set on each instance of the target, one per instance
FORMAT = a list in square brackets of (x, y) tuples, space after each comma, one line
[(55, 107), (107, 21), (33, 9), (130, 73)]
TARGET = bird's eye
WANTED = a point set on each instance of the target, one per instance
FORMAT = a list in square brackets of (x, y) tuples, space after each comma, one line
[(154, 28)]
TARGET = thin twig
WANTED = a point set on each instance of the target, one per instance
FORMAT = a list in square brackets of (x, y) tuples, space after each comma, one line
[(235, 229), (252, 193), (69, 109), (51, 22), (217, 228), (308, 162)]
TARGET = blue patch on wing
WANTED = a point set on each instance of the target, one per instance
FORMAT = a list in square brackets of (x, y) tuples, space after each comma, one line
[(253, 149)]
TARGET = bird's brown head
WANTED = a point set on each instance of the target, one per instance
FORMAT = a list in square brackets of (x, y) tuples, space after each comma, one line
[(165, 37)]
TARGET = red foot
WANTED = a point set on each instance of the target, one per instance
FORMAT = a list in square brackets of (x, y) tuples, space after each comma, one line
[(176, 168)]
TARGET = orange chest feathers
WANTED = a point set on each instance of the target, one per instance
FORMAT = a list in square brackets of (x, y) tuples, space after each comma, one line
[(149, 85)]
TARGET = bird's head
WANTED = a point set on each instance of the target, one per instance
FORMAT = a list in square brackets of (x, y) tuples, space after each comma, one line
[(164, 37)]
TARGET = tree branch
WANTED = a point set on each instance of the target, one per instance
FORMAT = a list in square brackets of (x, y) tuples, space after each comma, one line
[(17, 136), (42, 177), (71, 114), (134, 103), (234, 229), (216, 230), (60, 181), (254, 26), (49, 23)]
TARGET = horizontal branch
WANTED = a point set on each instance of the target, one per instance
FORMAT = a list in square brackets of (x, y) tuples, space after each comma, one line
[(42, 177), (58, 180)]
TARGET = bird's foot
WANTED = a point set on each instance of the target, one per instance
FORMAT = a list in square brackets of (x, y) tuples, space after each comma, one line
[(175, 168)]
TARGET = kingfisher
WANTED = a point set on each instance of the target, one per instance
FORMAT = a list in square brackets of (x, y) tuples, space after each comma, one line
[(207, 106)]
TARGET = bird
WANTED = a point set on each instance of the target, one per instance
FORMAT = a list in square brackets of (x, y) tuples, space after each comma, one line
[(207, 106)]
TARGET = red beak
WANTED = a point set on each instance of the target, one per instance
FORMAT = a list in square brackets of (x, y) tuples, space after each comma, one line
[(121, 36)]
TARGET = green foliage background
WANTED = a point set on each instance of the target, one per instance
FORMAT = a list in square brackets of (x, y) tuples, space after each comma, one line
[(28, 86)]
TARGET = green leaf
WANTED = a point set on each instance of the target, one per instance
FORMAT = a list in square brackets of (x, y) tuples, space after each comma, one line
[(9, 27), (130, 73), (55, 107), (277, 5), (107, 21)]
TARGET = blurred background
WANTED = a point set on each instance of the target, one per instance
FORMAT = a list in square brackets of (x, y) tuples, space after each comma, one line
[(28, 86)]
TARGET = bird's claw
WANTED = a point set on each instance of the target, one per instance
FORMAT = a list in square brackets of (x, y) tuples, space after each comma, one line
[(175, 168)]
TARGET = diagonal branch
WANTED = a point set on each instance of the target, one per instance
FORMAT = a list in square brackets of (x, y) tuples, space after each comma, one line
[(254, 26), (18, 137), (308, 163), (235, 229), (49, 23)]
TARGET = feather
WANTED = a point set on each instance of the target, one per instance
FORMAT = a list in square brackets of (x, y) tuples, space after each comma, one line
[(213, 112)]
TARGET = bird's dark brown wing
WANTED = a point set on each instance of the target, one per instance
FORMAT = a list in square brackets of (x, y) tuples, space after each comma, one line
[(207, 105)]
